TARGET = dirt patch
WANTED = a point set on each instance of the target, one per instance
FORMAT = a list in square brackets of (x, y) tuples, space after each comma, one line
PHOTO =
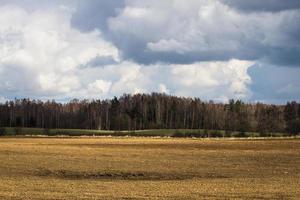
[(119, 175), (66, 174), (232, 145)]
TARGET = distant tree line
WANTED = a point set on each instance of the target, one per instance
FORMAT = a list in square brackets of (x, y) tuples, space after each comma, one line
[(152, 111)]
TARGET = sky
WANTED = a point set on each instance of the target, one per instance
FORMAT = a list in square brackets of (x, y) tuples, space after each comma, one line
[(96, 49)]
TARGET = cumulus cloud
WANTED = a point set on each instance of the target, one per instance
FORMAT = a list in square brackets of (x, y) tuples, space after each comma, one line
[(98, 49), (99, 86), (40, 52), (93, 14), (208, 80), (262, 6), (173, 31), (163, 88), (3, 99), (201, 30), (215, 80)]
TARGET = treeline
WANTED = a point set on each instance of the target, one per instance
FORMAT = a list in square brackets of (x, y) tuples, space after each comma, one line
[(152, 111)]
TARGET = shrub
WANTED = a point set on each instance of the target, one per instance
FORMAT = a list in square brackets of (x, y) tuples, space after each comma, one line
[(294, 127), (46, 131), (198, 134), (2, 131), (189, 134), (228, 133), (178, 134), (264, 134), (205, 133), (119, 133), (18, 131), (216, 133), (254, 134), (241, 134)]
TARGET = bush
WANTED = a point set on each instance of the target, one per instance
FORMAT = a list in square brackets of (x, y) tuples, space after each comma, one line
[(198, 134), (189, 134), (264, 134), (119, 133), (241, 134), (178, 134), (2, 131), (216, 133), (205, 133), (46, 131), (18, 131), (254, 134), (228, 133), (294, 127)]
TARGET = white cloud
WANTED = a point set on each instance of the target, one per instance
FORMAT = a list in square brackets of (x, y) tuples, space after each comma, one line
[(3, 99), (208, 80), (163, 88), (41, 56), (201, 30), (213, 80), (182, 27), (99, 86), (40, 53), (167, 45), (124, 77)]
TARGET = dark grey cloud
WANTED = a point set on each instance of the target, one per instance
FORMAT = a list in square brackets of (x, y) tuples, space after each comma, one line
[(100, 61), (283, 57), (264, 5), (277, 41), (209, 32), (133, 48), (91, 14)]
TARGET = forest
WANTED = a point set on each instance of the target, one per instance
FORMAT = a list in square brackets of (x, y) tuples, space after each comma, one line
[(152, 111)]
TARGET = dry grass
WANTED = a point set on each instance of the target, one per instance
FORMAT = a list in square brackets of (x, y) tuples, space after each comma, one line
[(149, 168)]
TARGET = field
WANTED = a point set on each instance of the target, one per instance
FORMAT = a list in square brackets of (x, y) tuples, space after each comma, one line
[(149, 168)]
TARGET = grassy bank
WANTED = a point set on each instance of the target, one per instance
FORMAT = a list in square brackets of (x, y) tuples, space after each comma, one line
[(199, 133)]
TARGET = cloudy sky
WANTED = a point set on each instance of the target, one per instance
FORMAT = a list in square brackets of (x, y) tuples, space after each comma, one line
[(212, 49)]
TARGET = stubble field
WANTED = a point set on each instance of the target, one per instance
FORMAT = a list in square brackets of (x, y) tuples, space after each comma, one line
[(149, 168)]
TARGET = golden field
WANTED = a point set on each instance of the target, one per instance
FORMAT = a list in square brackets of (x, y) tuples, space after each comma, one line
[(149, 168)]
